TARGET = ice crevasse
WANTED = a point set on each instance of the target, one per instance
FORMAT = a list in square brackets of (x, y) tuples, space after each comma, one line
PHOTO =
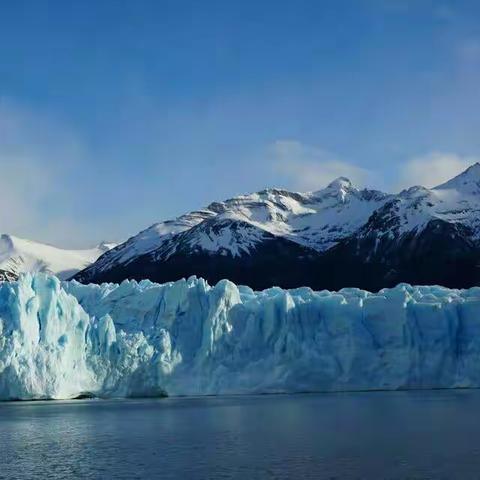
[(64, 339)]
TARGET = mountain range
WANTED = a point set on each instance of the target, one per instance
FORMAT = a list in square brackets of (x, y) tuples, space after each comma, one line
[(18, 255), (340, 236)]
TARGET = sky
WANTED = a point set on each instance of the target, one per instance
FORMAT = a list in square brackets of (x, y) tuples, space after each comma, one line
[(117, 114)]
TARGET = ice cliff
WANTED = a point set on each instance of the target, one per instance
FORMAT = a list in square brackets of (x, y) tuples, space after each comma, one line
[(65, 339)]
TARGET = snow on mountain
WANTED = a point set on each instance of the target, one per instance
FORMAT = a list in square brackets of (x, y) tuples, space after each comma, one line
[(18, 255), (238, 226), (149, 240), (467, 182), (317, 220), (226, 234), (64, 340), (276, 237), (456, 201)]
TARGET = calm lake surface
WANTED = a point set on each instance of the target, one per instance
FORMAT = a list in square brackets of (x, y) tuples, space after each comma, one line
[(429, 434)]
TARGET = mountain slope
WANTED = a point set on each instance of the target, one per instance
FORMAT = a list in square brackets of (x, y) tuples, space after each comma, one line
[(336, 237), (251, 238), (220, 249), (421, 236), (18, 255)]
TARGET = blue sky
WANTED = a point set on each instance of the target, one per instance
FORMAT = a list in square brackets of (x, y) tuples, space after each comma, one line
[(116, 114)]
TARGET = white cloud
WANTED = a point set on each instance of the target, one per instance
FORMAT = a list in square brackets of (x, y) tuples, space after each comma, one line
[(23, 184), (37, 155), (307, 168), (432, 169)]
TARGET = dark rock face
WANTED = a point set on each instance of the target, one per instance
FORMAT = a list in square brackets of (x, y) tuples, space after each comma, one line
[(6, 276), (272, 261), (334, 238), (440, 254)]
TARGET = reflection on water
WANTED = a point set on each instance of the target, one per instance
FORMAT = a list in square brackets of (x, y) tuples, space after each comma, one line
[(430, 434)]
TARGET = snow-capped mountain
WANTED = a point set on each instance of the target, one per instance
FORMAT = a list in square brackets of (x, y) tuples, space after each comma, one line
[(316, 220), (423, 236), (249, 233), (18, 255), (335, 237)]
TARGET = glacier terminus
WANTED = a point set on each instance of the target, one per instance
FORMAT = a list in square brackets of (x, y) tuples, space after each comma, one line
[(62, 340)]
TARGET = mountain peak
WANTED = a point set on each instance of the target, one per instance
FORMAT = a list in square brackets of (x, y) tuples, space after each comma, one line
[(19, 255), (472, 171), (105, 246), (340, 183), (339, 188), (467, 182)]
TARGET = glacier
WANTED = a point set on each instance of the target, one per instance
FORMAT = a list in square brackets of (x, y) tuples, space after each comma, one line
[(61, 340)]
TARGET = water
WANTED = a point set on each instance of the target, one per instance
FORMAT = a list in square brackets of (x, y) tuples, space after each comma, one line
[(434, 434)]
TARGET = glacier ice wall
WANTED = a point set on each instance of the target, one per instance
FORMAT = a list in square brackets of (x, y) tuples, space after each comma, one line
[(65, 339)]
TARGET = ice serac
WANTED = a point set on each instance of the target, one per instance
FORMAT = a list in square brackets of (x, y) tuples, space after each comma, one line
[(65, 339)]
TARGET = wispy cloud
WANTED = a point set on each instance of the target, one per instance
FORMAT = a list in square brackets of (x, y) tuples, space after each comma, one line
[(36, 156), (432, 169), (305, 167), (23, 185)]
